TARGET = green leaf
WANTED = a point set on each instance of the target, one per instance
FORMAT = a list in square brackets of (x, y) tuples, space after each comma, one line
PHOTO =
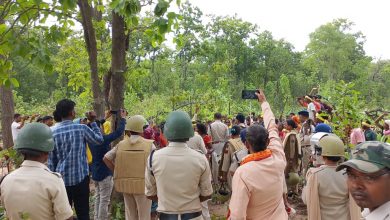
[(3, 28), (154, 43), (134, 20), (7, 83), (100, 8), (14, 82), (163, 28), (171, 15), (161, 8), (70, 22)]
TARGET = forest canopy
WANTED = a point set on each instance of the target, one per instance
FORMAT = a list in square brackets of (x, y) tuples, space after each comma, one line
[(205, 61)]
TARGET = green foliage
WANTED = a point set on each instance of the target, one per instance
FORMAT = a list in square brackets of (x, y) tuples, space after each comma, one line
[(208, 67), (348, 107), (13, 156), (22, 35)]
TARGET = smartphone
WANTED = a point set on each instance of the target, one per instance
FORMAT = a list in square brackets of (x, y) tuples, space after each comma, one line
[(113, 111), (249, 94)]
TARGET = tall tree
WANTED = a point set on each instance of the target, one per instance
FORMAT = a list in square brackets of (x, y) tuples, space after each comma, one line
[(86, 11), (335, 52), (22, 35)]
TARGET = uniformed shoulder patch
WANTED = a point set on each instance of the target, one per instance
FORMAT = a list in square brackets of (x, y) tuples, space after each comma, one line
[(199, 151), (55, 173), (317, 169)]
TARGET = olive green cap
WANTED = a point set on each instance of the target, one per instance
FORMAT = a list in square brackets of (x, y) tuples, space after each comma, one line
[(293, 179), (369, 157), (35, 136), (135, 123), (331, 146), (178, 126)]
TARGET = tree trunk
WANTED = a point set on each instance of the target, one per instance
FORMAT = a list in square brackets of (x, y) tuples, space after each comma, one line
[(118, 64), (7, 112), (90, 42)]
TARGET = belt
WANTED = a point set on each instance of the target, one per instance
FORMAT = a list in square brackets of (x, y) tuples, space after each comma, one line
[(306, 145), (185, 216)]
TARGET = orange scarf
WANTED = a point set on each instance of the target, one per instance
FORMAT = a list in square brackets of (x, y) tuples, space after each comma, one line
[(257, 156)]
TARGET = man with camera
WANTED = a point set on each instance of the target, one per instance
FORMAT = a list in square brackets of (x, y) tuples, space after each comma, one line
[(258, 182), (69, 157), (18, 124)]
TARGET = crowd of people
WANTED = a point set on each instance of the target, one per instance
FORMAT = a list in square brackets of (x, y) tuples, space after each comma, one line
[(173, 170)]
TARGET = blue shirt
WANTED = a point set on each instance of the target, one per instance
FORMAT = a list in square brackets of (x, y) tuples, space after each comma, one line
[(99, 169), (69, 157)]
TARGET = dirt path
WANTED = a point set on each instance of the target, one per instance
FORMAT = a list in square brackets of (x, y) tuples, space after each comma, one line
[(219, 211)]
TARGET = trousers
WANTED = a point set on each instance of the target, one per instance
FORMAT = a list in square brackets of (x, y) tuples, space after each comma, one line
[(137, 206), (102, 198), (78, 195)]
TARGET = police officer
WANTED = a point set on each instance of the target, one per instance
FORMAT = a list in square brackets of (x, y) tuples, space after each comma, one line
[(368, 179), (33, 191), (128, 162), (234, 144), (178, 177), (326, 192), (305, 135)]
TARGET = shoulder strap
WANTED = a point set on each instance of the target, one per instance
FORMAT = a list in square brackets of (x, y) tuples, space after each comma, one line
[(211, 131), (151, 161), (2, 178)]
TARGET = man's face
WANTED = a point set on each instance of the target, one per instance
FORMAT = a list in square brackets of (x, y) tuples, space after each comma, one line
[(18, 119), (369, 190), (73, 114), (49, 122), (302, 118)]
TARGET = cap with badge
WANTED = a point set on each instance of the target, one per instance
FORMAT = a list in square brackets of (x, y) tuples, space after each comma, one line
[(369, 157)]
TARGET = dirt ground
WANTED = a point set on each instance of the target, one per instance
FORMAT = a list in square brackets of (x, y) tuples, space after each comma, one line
[(219, 211)]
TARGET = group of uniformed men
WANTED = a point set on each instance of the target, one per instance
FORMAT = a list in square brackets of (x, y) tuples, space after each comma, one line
[(255, 162)]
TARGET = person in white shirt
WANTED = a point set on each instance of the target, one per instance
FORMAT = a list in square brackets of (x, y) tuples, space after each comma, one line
[(219, 133), (197, 143), (311, 108), (16, 125), (368, 180)]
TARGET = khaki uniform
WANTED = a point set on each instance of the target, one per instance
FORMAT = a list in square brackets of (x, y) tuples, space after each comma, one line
[(35, 192), (197, 143), (178, 176), (305, 135), (230, 147), (131, 182), (237, 157), (292, 150), (326, 195), (219, 133)]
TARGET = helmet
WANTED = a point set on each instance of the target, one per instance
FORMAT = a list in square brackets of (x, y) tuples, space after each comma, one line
[(332, 146), (323, 128), (178, 126), (292, 179), (35, 136), (135, 124)]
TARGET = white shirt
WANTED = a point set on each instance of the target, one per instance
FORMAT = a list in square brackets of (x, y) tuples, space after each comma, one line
[(218, 131), (310, 108), (15, 130), (380, 213), (197, 143)]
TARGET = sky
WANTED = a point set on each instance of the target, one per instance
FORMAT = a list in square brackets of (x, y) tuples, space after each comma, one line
[(294, 20)]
